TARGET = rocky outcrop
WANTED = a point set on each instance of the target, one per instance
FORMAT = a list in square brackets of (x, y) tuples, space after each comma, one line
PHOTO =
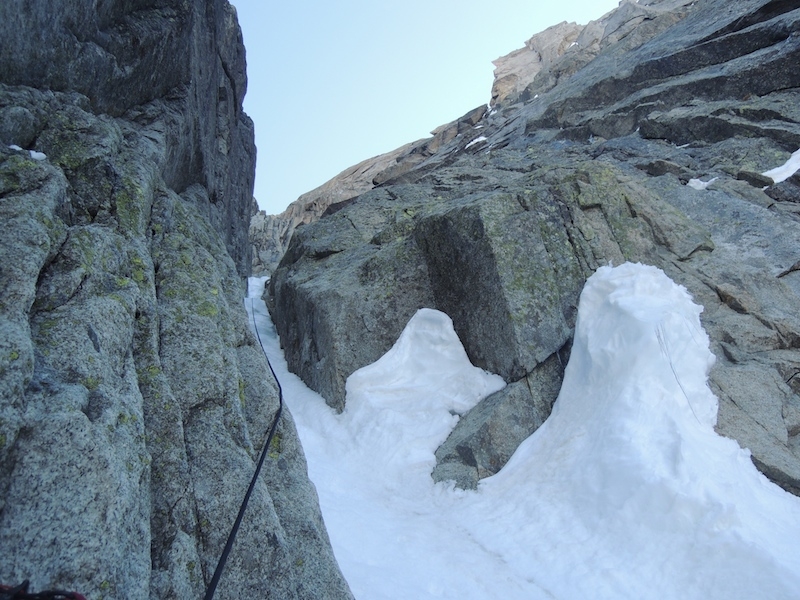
[(270, 234), (266, 233), (501, 222), (547, 58), (133, 398), (514, 72), (552, 56)]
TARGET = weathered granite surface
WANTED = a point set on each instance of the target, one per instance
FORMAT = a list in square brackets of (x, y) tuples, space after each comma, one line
[(500, 219), (133, 398), (270, 234)]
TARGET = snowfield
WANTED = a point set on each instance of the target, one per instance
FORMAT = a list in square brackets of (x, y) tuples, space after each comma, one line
[(626, 491)]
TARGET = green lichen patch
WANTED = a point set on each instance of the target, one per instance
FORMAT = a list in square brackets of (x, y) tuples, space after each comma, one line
[(132, 206), (148, 375), (207, 309), (19, 173), (83, 243), (73, 137), (275, 446), (126, 418), (91, 382), (138, 270)]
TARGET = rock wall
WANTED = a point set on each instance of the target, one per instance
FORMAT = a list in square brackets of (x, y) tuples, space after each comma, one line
[(515, 71), (546, 59), (502, 220), (555, 54), (133, 398), (270, 234)]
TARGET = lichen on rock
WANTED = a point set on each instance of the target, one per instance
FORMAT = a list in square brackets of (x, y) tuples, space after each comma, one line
[(134, 399), (583, 163)]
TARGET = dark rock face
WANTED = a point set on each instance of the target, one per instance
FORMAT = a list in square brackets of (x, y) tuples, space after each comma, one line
[(174, 68), (501, 223), (133, 398)]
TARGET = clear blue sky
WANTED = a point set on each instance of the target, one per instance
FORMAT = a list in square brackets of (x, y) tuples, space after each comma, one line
[(334, 83)]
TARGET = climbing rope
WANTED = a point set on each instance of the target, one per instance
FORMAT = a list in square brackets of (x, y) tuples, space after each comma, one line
[(212, 586)]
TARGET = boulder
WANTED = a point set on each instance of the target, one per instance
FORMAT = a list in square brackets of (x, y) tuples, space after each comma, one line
[(357, 290), (487, 436)]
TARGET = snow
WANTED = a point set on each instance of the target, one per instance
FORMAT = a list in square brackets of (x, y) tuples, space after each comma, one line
[(35, 155), (477, 140), (699, 184), (626, 491), (786, 170)]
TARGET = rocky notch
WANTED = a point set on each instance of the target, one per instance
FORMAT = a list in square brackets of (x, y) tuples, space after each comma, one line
[(270, 234), (499, 221), (134, 399)]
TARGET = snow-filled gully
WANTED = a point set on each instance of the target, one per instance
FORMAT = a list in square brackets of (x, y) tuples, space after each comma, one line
[(626, 491)]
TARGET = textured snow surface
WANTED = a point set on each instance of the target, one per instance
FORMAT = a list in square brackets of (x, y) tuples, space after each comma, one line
[(626, 491)]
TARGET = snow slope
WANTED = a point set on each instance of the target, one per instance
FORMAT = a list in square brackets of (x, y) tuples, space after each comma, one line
[(626, 491)]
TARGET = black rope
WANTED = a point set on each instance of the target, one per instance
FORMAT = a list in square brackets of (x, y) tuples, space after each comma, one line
[(212, 586)]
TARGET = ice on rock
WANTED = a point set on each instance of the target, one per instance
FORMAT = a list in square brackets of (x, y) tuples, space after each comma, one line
[(699, 184), (34, 154), (477, 140)]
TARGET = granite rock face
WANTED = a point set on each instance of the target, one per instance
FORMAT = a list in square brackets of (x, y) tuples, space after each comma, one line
[(547, 58), (134, 400), (500, 219), (514, 72), (270, 234)]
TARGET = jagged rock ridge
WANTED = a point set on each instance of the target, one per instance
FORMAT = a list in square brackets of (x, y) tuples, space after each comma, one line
[(133, 397), (499, 222)]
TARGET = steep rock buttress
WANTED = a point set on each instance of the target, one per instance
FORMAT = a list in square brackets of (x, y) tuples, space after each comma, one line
[(133, 397)]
